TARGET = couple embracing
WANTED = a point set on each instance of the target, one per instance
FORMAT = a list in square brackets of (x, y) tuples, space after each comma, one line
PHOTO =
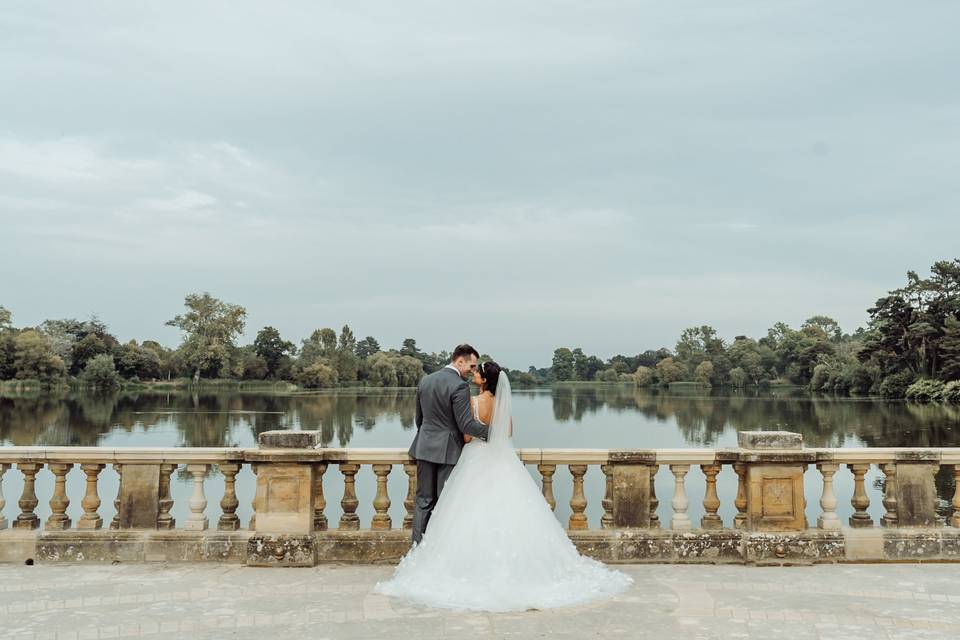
[(483, 536)]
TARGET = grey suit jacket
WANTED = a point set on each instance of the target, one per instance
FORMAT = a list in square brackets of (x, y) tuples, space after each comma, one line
[(443, 416)]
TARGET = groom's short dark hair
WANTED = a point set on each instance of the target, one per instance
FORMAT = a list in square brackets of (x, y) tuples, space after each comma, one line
[(462, 351)]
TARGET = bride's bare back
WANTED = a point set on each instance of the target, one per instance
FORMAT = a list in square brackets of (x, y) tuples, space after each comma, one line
[(484, 408)]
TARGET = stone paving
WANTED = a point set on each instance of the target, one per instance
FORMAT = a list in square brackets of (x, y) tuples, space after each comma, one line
[(667, 601)]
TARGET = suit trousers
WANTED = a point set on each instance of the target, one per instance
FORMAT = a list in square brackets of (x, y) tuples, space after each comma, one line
[(431, 476)]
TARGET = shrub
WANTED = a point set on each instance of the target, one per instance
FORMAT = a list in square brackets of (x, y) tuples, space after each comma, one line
[(317, 376), (895, 385), (951, 392), (644, 377), (925, 390), (100, 372)]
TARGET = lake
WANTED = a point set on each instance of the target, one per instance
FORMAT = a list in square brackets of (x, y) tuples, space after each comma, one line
[(573, 416)]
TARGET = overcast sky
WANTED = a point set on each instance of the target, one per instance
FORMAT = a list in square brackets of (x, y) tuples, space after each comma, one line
[(519, 174)]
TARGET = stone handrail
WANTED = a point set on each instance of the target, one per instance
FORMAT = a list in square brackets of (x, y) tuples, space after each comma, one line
[(290, 504)]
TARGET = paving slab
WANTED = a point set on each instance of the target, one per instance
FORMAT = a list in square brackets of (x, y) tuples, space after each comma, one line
[(826, 602)]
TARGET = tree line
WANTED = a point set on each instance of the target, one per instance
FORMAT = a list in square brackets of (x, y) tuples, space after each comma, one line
[(909, 348)]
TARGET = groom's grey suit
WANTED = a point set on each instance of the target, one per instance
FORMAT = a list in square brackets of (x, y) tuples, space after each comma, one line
[(443, 417)]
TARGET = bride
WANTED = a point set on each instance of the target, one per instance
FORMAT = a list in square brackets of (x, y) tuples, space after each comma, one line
[(493, 544)]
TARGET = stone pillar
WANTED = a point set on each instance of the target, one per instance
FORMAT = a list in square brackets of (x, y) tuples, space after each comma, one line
[(139, 497), (381, 502), (546, 472), (711, 501), (28, 499), (91, 500), (860, 500), (955, 518), (775, 462), (229, 521), (631, 473), (319, 501), (578, 501), (408, 503), (59, 502), (166, 521), (198, 501), (680, 504), (915, 493), (828, 500), (3, 501), (285, 501)]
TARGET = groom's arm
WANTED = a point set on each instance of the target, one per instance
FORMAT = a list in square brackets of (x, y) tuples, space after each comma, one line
[(461, 411), (419, 410)]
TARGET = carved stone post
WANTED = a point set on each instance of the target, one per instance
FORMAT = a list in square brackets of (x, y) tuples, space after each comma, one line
[(547, 471), (3, 501), (349, 503), (320, 502), (860, 500), (253, 504), (654, 502), (91, 499), (408, 502), (740, 520), (198, 501), (165, 521), (955, 518), (229, 521), (606, 521), (28, 499), (828, 500), (889, 518), (381, 502), (711, 501), (680, 521), (578, 501), (776, 462), (628, 487), (59, 502), (913, 496)]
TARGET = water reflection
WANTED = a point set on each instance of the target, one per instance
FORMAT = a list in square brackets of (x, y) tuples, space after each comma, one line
[(694, 419)]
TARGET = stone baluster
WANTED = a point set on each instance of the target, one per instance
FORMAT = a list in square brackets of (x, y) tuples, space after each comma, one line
[(828, 499), (381, 502), (59, 502), (252, 525), (606, 521), (740, 520), (681, 521), (3, 501), (889, 518), (860, 500), (165, 503), (955, 518), (319, 500), (546, 472), (711, 501), (410, 500), (115, 521), (4, 467), (654, 503), (578, 502), (28, 499), (91, 499), (198, 501), (349, 503), (229, 521)]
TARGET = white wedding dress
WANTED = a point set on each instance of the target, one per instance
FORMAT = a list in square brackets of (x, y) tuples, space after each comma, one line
[(492, 543)]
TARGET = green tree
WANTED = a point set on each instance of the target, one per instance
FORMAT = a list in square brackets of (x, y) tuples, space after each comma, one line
[(6, 319), (133, 361), (643, 376), (272, 348), (210, 328), (738, 377), (367, 347), (347, 364), (317, 376), (100, 372), (7, 345), (704, 373), (409, 371), (34, 358), (409, 348), (949, 346), (563, 368), (382, 371), (668, 370)]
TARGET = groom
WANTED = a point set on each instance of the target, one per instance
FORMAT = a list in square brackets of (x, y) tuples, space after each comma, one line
[(443, 417)]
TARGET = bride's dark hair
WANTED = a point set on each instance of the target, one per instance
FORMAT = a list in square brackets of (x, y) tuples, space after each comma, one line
[(490, 371)]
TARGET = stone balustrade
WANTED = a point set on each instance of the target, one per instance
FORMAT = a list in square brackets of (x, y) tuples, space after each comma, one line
[(305, 506)]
